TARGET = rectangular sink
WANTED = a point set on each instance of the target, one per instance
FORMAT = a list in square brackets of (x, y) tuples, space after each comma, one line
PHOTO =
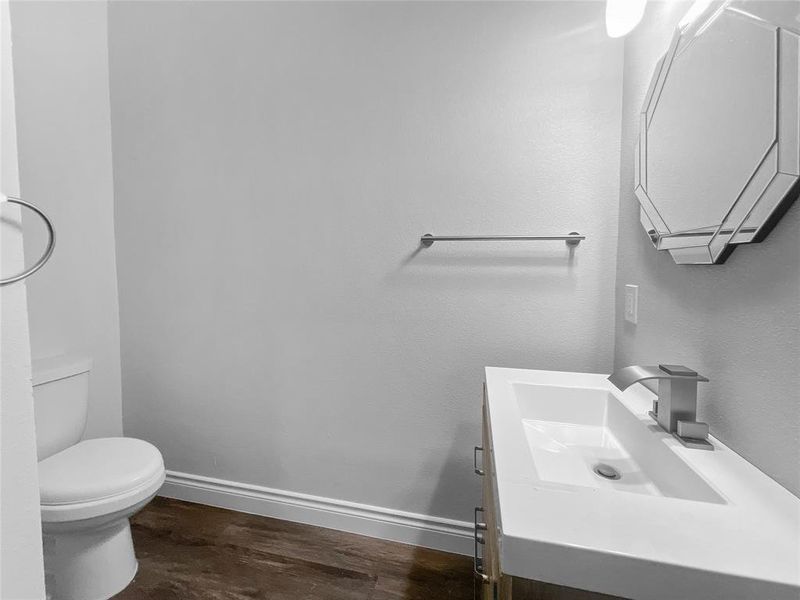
[(586, 437), (659, 521)]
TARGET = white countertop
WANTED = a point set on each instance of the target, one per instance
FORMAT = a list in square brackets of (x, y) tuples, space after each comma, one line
[(744, 546)]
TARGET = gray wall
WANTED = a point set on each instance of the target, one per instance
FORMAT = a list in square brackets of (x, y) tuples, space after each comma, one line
[(737, 323), (21, 567), (275, 164), (63, 114)]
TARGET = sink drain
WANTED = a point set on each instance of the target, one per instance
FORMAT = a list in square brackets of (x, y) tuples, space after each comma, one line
[(607, 471)]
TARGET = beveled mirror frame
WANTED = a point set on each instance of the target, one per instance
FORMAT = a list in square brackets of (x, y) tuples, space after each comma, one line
[(774, 182)]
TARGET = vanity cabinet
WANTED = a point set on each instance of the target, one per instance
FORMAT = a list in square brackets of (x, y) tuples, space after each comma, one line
[(669, 522), (493, 583)]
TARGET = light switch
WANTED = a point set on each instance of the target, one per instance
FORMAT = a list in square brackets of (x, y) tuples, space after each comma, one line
[(632, 303)]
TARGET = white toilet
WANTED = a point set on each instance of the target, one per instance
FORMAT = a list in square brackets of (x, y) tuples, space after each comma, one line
[(89, 488)]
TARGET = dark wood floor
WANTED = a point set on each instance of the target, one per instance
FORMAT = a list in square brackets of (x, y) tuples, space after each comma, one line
[(193, 552)]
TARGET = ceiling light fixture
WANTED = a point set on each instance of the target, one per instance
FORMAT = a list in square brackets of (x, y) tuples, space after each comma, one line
[(622, 16)]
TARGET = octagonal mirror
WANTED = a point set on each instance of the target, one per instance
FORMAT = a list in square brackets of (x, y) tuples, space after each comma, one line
[(718, 156)]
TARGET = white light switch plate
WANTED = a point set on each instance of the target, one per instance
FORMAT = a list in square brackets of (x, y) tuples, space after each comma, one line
[(632, 303)]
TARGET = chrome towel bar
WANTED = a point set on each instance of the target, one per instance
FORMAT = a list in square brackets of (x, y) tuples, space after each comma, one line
[(51, 244), (572, 240)]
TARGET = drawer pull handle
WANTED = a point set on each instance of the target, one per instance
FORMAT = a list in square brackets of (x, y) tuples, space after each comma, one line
[(478, 470), (477, 561), (479, 526)]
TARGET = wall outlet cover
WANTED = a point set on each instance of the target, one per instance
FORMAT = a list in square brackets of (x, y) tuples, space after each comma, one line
[(632, 303)]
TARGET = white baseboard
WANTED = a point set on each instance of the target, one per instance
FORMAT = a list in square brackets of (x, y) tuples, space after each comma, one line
[(374, 521)]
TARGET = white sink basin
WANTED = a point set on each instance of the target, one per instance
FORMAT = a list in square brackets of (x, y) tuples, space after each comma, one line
[(570, 431), (670, 523)]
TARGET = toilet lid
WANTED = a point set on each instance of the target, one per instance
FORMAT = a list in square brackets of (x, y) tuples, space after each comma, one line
[(96, 469)]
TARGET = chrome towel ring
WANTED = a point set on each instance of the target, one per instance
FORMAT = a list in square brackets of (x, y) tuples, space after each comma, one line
[(51, 244)]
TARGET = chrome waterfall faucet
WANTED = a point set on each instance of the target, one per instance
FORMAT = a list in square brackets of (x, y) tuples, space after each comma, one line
[(676, 408)]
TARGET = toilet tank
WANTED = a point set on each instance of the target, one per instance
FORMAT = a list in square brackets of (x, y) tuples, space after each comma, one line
[(60, 401)]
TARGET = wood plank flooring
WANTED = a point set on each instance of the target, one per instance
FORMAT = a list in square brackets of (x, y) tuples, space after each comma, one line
[(194, 552)]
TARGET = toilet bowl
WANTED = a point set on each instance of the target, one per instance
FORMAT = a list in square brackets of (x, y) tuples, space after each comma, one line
[(88, 489)]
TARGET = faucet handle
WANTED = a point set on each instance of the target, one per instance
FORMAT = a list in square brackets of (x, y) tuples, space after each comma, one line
[(693, 430), (693, 435)]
